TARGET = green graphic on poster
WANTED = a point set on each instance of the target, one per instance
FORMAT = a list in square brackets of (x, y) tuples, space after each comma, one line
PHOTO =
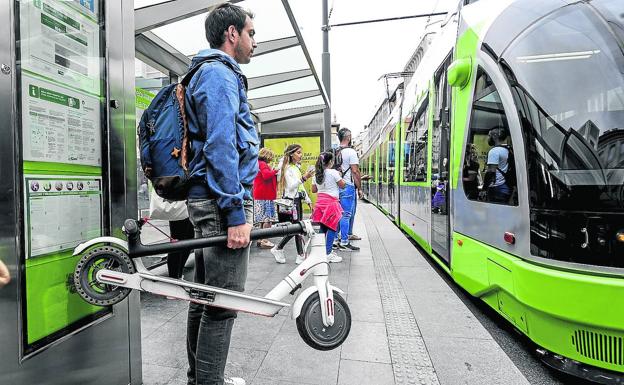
[(311, 149)]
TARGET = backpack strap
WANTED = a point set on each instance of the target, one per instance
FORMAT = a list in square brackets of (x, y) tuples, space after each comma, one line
[(189, 75)]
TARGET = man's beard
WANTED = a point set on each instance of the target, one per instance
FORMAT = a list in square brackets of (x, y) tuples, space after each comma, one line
[(241, 57)]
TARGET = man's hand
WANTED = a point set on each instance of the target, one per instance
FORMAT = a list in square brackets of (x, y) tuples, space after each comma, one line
[(5, 277), (360, 194), (238, 236)]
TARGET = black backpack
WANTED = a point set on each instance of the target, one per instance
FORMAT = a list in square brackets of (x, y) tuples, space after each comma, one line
[(337, 151), (164, 142), (510, 175)]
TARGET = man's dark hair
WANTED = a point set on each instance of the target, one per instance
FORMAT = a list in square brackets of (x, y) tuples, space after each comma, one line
[(220, 19), (343, 133), (498, 132)]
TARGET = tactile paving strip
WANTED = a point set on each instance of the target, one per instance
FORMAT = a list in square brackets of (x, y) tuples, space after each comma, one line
[(410, 360)]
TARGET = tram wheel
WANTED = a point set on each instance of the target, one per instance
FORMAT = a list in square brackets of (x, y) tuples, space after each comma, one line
[(312, 330), (87, 286)]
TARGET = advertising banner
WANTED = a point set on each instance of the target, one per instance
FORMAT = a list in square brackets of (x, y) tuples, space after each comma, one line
[(311, 146)]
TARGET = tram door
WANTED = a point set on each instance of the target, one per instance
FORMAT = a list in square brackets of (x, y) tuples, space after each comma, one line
[(67, 161), (393, 202), (440, 156)]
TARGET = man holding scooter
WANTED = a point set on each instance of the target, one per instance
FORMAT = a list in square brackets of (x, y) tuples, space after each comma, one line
[(223, 169)]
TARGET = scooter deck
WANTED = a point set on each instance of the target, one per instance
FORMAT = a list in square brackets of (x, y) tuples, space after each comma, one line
[(194, 292)]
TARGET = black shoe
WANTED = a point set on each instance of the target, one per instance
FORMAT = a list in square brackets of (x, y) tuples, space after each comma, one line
[(348, 247), (335, 246)]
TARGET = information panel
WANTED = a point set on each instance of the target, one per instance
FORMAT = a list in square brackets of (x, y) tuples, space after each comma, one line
[(63, 42), (59, 124), (62, 212), (62, 107)]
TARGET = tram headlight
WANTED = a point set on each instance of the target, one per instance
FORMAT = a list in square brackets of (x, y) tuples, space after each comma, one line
[(619, 236)]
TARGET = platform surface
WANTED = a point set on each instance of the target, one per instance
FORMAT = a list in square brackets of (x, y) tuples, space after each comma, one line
[(408, 325)]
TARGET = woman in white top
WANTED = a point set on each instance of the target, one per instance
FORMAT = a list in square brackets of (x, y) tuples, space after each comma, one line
[(291, 184)]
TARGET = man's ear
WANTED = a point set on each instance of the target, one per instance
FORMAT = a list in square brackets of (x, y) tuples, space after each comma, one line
[(231, 33)]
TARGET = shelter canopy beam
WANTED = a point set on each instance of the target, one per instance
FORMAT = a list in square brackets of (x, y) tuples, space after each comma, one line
[(274, 116), (269, 80), (159, 54), (275, 45), (273, 100), (158, 15)]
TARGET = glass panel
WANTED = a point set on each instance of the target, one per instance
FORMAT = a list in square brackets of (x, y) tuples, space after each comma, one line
[(488, 171), (415, 147), (62, 84), (567, 77)]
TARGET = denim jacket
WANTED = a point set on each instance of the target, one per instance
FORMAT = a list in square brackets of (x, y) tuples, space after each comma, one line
[(223, 136)]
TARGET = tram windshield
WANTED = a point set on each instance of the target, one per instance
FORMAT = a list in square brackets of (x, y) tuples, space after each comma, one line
[(567, 77)]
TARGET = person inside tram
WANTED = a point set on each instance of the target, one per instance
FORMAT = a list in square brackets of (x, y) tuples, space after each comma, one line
[(470, 172), (496, 187)]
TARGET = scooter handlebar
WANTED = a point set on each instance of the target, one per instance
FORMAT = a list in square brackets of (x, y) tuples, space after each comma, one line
[(137, 249)]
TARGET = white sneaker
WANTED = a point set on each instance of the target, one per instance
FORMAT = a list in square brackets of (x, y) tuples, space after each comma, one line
[(233, 381), (299, 259), (278, 254), (334, 258)]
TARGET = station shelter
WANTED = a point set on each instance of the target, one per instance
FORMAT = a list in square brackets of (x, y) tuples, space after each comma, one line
[(74, 76)]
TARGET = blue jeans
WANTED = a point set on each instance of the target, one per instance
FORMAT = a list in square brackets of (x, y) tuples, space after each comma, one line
[(499, 194), (330, 235), (209, 328), (353, 215), (347, 197)]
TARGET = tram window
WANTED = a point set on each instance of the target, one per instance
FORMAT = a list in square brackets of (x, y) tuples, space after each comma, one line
[(415, 147), (383, 169), (487, 174)]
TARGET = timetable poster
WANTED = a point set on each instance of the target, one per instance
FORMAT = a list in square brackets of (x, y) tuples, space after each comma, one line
[(62, 212)]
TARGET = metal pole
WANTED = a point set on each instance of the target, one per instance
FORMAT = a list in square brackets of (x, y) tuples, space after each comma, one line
[(326, 77)]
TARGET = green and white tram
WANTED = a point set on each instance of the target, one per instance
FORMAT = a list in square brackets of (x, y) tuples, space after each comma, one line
[(550, 259)]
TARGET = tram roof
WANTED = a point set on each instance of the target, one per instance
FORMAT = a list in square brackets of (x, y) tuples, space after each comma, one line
[(283, 83)]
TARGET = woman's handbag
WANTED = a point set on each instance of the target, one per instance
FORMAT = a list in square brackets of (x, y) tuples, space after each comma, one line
[(161, 208), (284, 205)]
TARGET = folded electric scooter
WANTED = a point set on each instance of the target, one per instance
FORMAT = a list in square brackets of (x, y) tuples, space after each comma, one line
[(110, 268)]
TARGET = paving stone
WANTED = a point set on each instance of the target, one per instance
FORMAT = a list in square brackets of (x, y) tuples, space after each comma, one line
[(291, 360), (255, 332), (271, 381), (365, 373), (244, 363), (442, 314), (368, 310), (367, 341), (473, 361), (408, 351), (157, 375), (416, 375), (421, 279)]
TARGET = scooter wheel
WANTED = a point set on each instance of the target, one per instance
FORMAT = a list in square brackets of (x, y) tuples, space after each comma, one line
[(99, 258), (312, 330)]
